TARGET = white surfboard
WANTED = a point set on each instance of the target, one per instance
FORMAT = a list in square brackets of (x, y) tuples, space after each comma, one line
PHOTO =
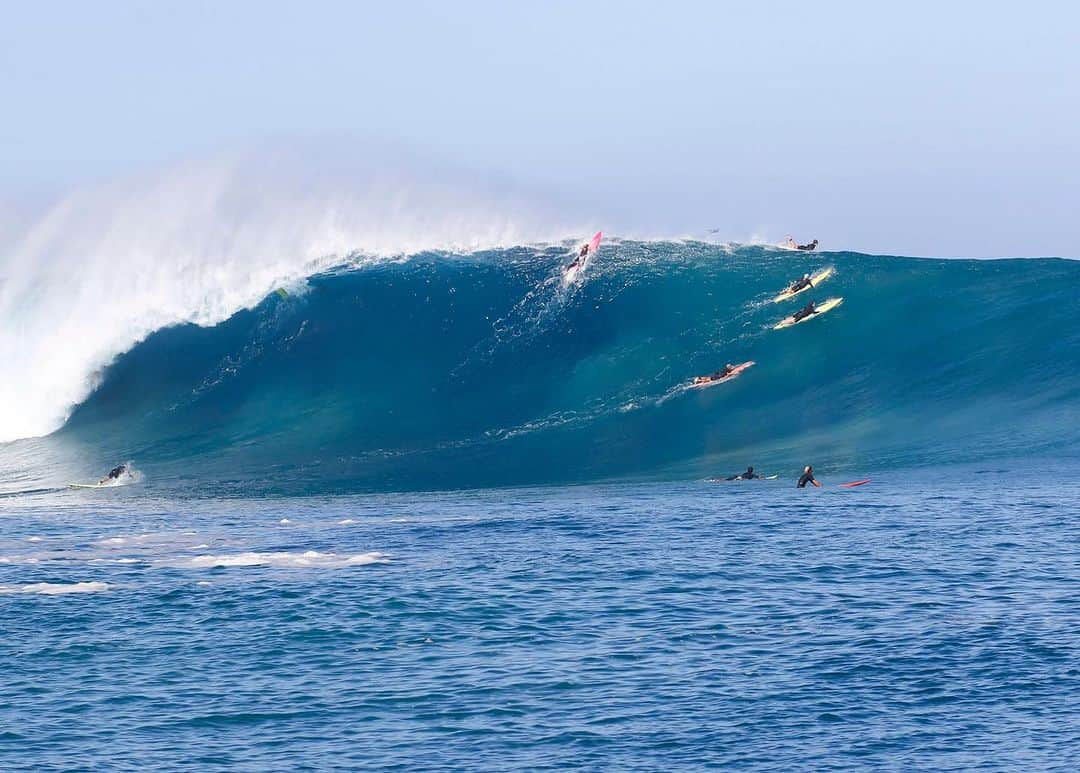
[(821, 308)]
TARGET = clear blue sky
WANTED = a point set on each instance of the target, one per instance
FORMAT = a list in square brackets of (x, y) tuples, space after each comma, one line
[(919, 128)]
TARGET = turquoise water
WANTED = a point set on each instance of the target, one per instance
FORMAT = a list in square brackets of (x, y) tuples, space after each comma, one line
[(930, 620), (451, 371)]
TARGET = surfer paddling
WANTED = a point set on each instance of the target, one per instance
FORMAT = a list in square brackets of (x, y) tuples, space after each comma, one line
[(579, 263), (808, 477), (748, 475), (114, 474), (724, 372), (727, 373), (805, 311), (807, 247), (799, 284), (582, 254)]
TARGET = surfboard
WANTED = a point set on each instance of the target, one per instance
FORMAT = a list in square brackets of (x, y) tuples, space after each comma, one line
[(815, 280), (734, 374), (828, 305), (854, 483), (126, 481), (577, 268)]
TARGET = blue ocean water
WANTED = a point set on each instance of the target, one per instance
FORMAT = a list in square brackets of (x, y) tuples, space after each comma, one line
[(929, 620), (443, 512)]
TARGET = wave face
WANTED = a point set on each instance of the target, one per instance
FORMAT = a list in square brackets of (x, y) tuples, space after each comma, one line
[(472, 370), (100, 269)]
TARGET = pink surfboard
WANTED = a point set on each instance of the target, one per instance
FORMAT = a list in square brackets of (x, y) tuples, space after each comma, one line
[(855, 483), (734, 374)]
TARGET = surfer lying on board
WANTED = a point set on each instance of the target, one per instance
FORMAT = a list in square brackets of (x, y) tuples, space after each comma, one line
[(748, 475), (805, 311), (114, 473), (715, 376), (807, 247), (799, 284), (582, 254), (808, 477)]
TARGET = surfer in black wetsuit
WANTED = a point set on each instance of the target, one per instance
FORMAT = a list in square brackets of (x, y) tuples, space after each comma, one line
[(808, 477), (114, 473), (727, 370), (805, 311), (807, 247), (582, 254), (748, 475), (799, 284)]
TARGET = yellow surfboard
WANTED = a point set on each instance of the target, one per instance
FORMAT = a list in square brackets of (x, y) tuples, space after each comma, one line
[(820, 309), (815, 280)]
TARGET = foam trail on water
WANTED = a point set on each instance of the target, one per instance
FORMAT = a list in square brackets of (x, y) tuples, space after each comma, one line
[(56, 588), (310, 559), (103, 268)]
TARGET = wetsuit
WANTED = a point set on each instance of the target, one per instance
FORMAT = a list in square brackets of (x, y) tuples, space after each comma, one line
[(800, 284), (715, 376), (748, 475), (580, 257), (116, 472), (807, 247), (804, 312), (807, 477)]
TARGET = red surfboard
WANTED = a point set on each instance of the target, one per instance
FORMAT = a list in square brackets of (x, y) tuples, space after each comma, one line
[(855, 483)]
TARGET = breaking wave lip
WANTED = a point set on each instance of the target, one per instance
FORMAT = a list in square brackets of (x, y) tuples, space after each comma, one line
[(56, 588), (309, 559), (195, 243)]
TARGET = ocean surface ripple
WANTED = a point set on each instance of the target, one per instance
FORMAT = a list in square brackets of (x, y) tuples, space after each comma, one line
[(928, 621)]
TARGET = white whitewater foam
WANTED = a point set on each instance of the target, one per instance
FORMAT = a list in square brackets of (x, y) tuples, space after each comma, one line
[(307, 559), (103, 268), (115, 560), (56, 588)]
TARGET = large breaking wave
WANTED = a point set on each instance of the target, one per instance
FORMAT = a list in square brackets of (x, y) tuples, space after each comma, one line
[(476, 369), (101, 268)]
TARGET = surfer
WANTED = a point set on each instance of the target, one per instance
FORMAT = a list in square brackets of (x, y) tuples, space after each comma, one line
[(805, 311), (807, 247), (114, 473), (724, 373), (748, 475), (799, 284), (808, 477), (582, 254)]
